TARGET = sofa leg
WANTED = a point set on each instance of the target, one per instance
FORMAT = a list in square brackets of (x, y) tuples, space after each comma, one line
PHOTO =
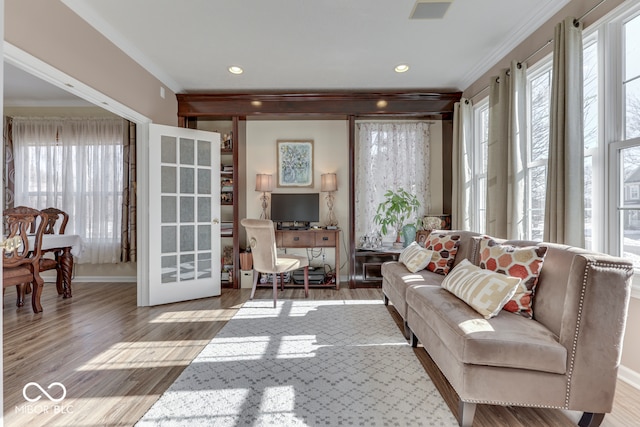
[(414, 339), (466, 411), (589, 419), (385, 299), (407, 331)]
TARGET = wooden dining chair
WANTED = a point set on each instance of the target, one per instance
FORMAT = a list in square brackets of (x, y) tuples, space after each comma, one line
[(20, 264), (262, 239), (56, 224)]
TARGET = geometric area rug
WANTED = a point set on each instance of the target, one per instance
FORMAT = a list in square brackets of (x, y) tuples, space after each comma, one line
[(304, 363)]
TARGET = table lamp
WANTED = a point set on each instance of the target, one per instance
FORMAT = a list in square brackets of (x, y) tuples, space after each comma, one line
[(329, 184), (264, 183)]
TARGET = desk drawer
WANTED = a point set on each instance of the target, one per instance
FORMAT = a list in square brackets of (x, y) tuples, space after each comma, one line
[(293, 239), (325, 239)]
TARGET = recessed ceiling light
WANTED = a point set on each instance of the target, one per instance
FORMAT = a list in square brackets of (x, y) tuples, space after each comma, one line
[(402, 68), (234, 69)]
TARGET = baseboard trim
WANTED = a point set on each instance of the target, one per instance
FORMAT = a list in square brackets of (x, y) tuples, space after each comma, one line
[(629, 376), (104, 279)]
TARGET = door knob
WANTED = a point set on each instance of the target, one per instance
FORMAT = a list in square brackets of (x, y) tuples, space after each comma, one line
[(215, 221)]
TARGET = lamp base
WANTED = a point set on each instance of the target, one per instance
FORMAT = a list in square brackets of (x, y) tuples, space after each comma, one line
[(332, 227)]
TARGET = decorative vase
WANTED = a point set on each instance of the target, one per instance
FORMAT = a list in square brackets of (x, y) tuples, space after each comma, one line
[(409, 234)]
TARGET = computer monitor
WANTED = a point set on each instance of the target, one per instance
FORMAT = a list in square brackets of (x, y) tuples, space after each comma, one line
[(296, 210)]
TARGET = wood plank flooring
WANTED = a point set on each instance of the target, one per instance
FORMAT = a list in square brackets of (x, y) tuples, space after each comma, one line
[(115, 359)]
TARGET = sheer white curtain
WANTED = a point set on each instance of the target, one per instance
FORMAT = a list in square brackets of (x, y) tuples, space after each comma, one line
[(389, 156), (74, 165), (506, 155), (462, 158), (564, 206)]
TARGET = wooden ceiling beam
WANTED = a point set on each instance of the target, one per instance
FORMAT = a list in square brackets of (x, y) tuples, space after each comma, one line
[(411, 103)]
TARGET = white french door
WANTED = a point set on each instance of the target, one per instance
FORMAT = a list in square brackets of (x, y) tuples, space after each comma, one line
[(184, 212)]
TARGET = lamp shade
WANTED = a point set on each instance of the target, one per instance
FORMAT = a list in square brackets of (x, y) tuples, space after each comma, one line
[(264, 182), (328, 182)]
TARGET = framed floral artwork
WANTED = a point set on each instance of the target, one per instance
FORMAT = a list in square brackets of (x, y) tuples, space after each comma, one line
[(295, 163)]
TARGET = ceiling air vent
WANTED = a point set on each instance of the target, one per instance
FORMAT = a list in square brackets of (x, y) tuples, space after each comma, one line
[(430, 9)]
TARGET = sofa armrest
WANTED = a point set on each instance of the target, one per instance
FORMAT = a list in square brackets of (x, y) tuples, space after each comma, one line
[(592, 329)]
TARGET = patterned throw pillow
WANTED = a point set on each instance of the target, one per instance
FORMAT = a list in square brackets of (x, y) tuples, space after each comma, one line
[(415, 257), (484, 290), (444, 247), (522, 262)]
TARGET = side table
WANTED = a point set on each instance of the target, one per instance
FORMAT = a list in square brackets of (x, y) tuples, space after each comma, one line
[(368, 266)]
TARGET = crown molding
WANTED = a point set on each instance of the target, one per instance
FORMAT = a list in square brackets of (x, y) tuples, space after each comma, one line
[(524, 30)]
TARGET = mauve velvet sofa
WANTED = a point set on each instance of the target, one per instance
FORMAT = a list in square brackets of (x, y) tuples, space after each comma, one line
[(565, 357)]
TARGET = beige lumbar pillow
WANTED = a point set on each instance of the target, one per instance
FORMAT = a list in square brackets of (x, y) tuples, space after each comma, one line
[(484, 290), (415, 257)]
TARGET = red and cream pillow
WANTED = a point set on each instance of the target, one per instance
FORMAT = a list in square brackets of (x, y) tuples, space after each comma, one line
[(523, 262), (444, 247)]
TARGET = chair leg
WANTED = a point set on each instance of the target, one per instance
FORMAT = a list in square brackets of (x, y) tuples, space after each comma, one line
[(275, 289), (255, 283), (306, 282), (20, 289), (38, 284), (282, 281)]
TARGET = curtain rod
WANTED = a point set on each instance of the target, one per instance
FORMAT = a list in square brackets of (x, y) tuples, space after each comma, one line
[(575, 22), (430, 122), (584, 15)]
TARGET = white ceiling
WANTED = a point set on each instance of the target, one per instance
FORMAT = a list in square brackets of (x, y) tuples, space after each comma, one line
[(303, 44)]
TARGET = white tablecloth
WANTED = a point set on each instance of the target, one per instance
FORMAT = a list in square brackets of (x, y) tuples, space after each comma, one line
[(50, 241)]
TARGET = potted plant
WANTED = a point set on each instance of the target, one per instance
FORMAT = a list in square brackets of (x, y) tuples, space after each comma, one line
[(396, 210)]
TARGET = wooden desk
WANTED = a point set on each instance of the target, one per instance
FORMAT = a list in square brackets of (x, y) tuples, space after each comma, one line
[(312, 238)]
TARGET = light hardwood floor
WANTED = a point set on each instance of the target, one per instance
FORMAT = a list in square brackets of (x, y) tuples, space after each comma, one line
[(115, 359)]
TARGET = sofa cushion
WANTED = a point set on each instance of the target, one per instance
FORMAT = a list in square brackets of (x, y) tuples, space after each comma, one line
[(523, 262), (415, 257), (506, 340), (484, 290), (396, 280), (445, 247)]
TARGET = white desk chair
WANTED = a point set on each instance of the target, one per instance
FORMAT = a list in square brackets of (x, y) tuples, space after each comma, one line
[(262, 239)]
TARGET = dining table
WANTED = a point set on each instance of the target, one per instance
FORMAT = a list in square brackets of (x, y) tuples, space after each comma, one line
[(67, 245)]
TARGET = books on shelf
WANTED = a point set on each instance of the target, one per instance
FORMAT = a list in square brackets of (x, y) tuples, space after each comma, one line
[(226, 198), (226, 228), (226, 184)]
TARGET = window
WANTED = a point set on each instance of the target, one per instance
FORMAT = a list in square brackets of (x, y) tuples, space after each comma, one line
[(389, 156), (631, 79), (75, 165), (624, 162), (479, 171), (592, 152), (538, 108)]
